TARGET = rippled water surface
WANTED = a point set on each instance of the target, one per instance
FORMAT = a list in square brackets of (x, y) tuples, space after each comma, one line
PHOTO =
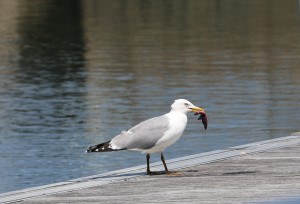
[(74, 73)]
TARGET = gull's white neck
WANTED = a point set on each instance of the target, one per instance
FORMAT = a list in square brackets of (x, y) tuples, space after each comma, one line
[(177, 111), (177, 115)]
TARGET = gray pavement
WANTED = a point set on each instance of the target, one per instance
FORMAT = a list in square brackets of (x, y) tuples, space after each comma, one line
[(262, 172)]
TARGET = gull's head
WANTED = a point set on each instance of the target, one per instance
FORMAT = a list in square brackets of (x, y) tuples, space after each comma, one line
[(184, 106)]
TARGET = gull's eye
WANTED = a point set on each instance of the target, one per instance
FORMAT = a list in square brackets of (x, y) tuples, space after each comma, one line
[(186, 104)]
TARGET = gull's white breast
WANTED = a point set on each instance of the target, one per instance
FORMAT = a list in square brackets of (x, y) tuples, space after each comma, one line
[(177, 124)]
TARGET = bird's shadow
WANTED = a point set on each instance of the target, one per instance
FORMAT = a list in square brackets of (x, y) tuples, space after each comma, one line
[(140, 174), (155, 173), (130, 175)]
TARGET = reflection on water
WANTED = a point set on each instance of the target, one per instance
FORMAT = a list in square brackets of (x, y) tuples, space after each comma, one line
[(74, 73)]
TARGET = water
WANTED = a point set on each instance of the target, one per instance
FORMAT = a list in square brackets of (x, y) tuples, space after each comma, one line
[(76, 73)]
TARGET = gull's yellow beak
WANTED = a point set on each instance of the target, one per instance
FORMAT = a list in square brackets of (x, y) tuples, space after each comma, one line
[(196, 109)]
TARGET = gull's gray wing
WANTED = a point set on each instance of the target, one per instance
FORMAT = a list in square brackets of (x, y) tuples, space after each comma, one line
[(142, 136)]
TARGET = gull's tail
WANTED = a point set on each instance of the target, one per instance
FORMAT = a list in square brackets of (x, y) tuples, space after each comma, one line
[(103, 147)]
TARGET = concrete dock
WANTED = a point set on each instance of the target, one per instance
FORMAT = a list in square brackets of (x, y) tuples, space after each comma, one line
[(253, 173)]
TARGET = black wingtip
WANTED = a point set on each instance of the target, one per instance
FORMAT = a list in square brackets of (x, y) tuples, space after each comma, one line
[(103, 147), (88, 150), (95, 148)]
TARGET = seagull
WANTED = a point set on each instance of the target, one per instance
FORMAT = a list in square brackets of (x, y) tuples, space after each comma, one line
[(153, 135)]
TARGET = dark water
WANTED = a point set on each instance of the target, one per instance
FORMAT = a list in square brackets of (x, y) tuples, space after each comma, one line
[(75, 73)]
